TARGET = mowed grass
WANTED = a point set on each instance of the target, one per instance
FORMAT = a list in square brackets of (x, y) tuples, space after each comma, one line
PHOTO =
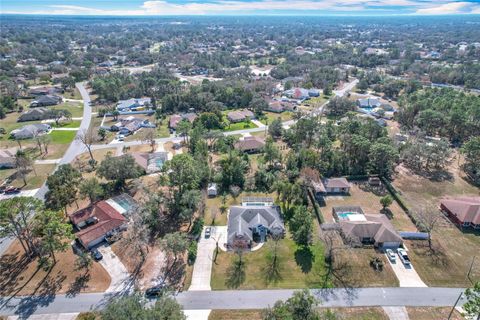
[(35, 177), (62, 137), (450, 261), (70, 124), (298, 268), (239, 126), (270, 116), (76, 108), (433, 313)]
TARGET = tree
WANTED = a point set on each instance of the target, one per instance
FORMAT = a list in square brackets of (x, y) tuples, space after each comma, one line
[(14, 220), (383, 158), (119, 169), (232, 171), (91, 189), (149, 137), (386, 201), (52, 232), (115, 114), (301, 225), (175, 244), (338, 106), (362, 85), (23, 162), (271, 153), (472, 306), (87, 138), (428, 219), (301, 306), (135, 307), (102, 133), (275, 128), (183, 173), (44, 140), (58, 115), (62, 187), (471, 151), (183, 129)]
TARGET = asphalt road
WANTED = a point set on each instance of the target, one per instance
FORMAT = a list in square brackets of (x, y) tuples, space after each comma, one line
[(241, 299)]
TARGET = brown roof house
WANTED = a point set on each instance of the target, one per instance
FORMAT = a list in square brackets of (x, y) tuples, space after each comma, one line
[(96, 222), (7, 158), (367, 229), (331, 186), (280, 106), (463, 211), (150, 162), (239, 115), (176, 118), (250, 144)]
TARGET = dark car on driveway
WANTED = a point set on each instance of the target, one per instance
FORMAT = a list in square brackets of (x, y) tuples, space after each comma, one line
[(155, 292), (12, 190), (96, 255)]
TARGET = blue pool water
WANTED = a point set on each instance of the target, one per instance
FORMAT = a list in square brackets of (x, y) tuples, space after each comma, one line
[(344, 216)]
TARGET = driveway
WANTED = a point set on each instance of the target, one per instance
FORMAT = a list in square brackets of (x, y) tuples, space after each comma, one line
[(407, 277), (121, 280), (396, 313), (202, 269)]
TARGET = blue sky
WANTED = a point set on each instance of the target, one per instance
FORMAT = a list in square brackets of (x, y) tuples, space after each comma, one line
[(239, 7)]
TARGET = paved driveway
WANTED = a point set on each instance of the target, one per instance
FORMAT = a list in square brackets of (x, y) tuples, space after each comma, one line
[(407, 277), (202, 269), (121, 280)]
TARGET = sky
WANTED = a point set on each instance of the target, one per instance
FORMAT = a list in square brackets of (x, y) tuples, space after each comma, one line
[(240, 7)]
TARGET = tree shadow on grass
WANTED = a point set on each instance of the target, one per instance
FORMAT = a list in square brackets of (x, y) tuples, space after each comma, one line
[(235, 274), (80, 283), (304, 258), (272, 269)]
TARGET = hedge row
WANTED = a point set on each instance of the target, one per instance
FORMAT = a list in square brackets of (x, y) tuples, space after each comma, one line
[(399, 200)]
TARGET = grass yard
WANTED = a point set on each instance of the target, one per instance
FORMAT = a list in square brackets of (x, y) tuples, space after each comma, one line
[(298, 268), (35, 178), (361, 194), (270, 116), (62, 137), (451, 260), (235, 315), (70, 124), (432, 313), (20, 276), (240, 126), (76, 108)]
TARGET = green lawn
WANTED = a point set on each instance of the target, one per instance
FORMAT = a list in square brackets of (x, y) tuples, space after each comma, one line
[(75, 108), (270, 116), (71, 124), (62, 137), (240, 126), (297, 268)]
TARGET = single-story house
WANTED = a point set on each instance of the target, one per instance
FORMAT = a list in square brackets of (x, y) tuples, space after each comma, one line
[(301, 93), (368, 103), (40, 113), (31, 130), (280, 106), (134, 104), (363, 228), (150, 162), (250, 144), (129, 125), (46, 100), (7, 158), (96, 222), (212, 190), (176, 118), (463, 211), (44, 91), (331, 186), (239, 115), (249, 224)]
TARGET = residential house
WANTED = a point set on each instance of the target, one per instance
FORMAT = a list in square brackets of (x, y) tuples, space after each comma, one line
[(129, 125), (46, 100), (134, 104), (40, 113), (280, 106), (30, 131), (301, 93), (239, 115), (463, 211), (96, 222), (151, 162), (176, 118), (331, 186), (368, 103), (251, 144), (43, 91), (367, 229), (7, 158), (212, 190), (252, 224)]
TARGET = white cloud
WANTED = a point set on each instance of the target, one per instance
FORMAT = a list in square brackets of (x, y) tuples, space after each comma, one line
[(451, 8)]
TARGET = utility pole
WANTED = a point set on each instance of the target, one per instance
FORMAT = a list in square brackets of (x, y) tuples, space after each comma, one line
[(453, 308)]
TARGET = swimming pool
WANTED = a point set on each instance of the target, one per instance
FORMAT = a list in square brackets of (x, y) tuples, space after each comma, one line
[(344, 215)]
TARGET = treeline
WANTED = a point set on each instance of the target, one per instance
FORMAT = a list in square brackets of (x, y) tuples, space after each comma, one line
[(441, 112), (462, 75)]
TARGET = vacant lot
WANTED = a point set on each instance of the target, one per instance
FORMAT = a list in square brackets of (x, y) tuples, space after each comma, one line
[(19, 276), (35, 177), (450, 261), (368, 198), (270, 116), (297, 268)]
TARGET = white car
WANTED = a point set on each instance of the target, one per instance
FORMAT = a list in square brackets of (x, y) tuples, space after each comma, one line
[(404, 257), (121, 137), (391, 255)]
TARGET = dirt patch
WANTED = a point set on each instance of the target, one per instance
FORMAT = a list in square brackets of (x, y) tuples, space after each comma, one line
[(20, 276)]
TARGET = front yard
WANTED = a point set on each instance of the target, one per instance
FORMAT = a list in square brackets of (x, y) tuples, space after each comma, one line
[(35, 178), (239, 126)]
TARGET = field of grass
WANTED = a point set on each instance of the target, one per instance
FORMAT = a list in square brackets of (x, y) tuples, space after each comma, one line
[(35, 178), (270, 116), (70, 124), (240, 126), (297, 268), (75, 108), (62, 137)]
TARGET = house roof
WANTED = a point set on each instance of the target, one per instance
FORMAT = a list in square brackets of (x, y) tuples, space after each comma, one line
[(30, 130), (8, 153), (239, 114), (133, 102), (151, 162), (108, 219), (242, 218), (176, 118), (466, 209), (369, 102), (376, 226), (336, 183), (48, 99), (250, 143)]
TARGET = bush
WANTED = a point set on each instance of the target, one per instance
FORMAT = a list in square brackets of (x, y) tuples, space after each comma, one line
[(192, 252), (197, 228)]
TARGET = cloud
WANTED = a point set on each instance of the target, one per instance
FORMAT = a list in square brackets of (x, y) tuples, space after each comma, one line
[(451, 8), (199, 7)]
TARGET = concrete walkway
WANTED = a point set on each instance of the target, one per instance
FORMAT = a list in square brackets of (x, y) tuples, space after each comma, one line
[(48, 161), (258, 123), (396, 313), (197, 314), (121, 280)]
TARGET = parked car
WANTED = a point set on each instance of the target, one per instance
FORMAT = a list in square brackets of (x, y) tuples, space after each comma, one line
[(404, 257), (121, 137), (208, 232), (391, 255), (12, 190), (96, 255), (156, 291)]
